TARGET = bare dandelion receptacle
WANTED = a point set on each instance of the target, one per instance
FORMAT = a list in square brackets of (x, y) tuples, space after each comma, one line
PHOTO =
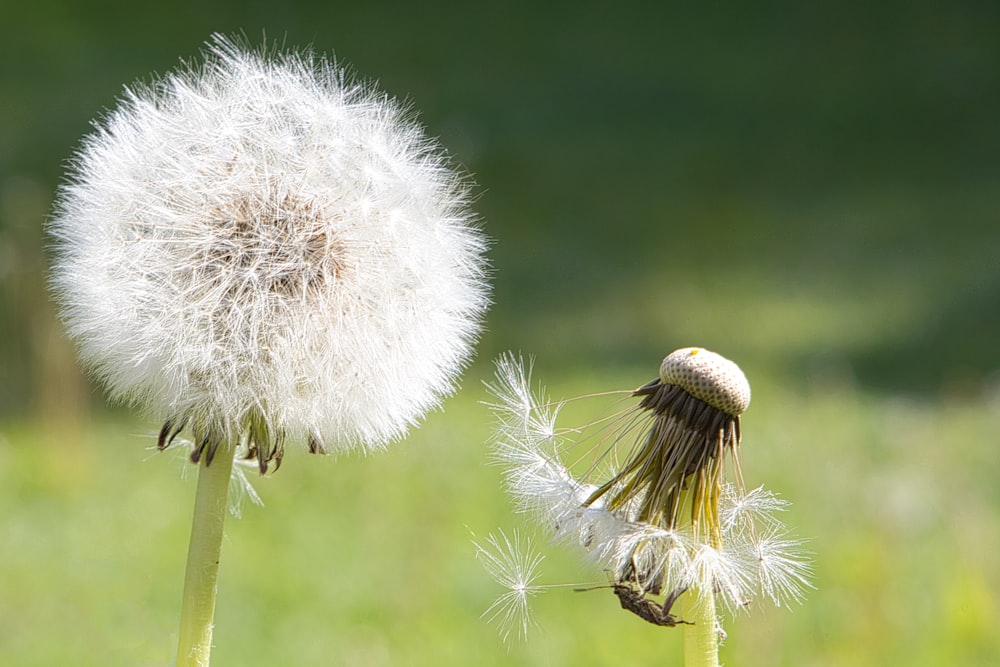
[(708, 377)]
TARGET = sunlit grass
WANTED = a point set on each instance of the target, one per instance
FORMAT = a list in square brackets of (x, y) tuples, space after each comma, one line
[(369, 561)]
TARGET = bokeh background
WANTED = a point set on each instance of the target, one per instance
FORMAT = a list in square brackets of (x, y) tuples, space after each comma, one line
[(810, 189)]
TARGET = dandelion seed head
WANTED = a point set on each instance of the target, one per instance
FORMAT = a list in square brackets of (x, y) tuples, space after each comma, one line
[(708, 377), (667, 521), (260, 244)]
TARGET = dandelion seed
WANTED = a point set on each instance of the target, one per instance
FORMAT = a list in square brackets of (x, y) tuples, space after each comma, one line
[(722, 572), (783, 566), (750, 509), (520, 413), (240, 487), (513, 564)]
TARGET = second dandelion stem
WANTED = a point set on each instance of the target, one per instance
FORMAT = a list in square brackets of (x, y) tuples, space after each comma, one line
[(701, 640), (194, 642)]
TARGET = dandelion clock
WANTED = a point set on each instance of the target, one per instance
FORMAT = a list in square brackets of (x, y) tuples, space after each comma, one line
[(260, 252)]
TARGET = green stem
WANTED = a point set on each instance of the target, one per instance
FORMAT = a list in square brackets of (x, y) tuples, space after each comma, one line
[(701, 640), (194, 642)]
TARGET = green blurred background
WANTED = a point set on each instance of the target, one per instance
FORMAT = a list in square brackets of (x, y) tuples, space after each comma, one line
[(810, 190)]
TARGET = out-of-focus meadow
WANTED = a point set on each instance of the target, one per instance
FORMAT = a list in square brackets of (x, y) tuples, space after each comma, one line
[(812, 192)]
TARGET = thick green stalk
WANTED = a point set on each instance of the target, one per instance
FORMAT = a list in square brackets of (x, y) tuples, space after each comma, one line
[(194, 641), (701, 640)]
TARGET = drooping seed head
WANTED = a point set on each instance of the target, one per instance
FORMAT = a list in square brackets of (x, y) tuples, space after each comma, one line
[(709, 377)]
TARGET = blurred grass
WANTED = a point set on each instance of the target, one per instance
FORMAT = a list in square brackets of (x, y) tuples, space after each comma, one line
[(809, 190), (369, 561)]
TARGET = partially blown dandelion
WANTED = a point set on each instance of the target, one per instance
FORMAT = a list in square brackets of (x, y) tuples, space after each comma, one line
[(259, 251), (665, 522)]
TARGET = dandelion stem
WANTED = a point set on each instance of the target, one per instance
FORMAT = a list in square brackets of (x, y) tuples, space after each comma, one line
[(701, 640), (194, 645)]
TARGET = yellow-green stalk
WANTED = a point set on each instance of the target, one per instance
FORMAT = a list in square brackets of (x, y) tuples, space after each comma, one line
[(194, 641), (701, 638)]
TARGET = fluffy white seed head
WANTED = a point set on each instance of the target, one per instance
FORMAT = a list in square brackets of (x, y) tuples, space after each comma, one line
[(261, 236)]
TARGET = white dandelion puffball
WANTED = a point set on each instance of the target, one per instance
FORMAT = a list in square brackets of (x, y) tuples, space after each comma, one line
[(260, 244)]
